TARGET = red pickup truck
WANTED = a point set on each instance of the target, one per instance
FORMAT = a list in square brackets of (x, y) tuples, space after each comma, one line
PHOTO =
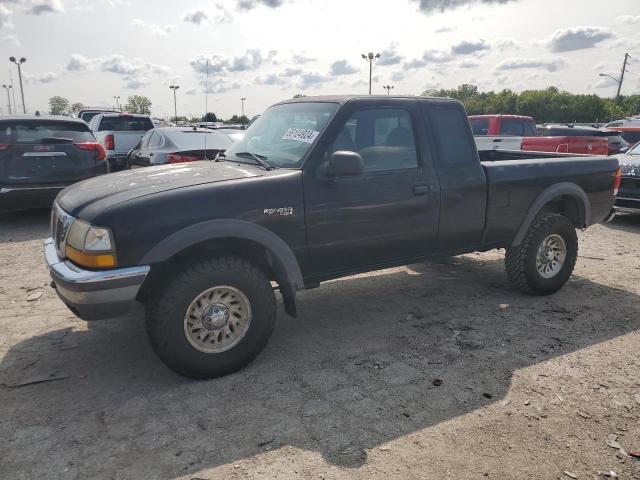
[(501, 126)]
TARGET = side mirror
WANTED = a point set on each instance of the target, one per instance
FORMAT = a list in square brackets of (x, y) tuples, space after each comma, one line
[(344, 163)]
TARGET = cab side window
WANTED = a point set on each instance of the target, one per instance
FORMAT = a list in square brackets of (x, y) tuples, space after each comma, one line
[(511, 126), (383, 137)]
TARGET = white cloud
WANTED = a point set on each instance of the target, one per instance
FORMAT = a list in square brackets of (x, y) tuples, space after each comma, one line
[(221, 65), (152, 28), (469, 47), (38, 7), (629, 19), (503, 44), (302, 58), (468, 64), (251, 4), (428, 6), (445, 30), (79, 63), (47, 77), (577, 38), (196, 16), (313, 79), (5, 17), (13, 39), (342, 67), (390, 56), (531, 63), (271, 80), (291, 72)]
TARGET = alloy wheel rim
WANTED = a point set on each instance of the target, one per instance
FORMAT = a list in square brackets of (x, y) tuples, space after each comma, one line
[(217, 319), (551, 256)]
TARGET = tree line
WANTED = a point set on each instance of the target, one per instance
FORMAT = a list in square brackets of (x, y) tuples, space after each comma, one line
[(550, 105), (136, 104)]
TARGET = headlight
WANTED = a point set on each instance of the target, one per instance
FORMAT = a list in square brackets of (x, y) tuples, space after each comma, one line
[(90, 246)]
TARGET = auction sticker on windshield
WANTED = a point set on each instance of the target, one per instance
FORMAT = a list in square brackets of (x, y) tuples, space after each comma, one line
[(301, 135)]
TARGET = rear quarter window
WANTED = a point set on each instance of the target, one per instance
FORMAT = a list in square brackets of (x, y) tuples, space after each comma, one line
[(125, 124), (451, 127), (39, 131)]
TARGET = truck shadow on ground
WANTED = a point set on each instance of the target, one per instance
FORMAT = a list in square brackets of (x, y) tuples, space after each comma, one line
[(369, 360), (626, 223)]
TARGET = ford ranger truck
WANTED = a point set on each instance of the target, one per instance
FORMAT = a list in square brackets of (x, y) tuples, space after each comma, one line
[(318, 188)]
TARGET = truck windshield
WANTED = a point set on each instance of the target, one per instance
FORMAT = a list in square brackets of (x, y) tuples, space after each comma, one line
[(284, 133)]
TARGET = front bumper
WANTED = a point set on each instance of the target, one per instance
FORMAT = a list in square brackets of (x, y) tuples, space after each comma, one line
[(94, 295), (14, 198)]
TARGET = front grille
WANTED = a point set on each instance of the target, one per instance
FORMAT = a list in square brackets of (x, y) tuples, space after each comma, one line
[(60, 223)]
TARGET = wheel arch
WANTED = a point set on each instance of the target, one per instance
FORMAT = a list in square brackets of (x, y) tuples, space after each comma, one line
[(243, 238), (564, 198)]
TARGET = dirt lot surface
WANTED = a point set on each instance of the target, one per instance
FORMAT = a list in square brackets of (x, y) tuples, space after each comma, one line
[(438, 370)]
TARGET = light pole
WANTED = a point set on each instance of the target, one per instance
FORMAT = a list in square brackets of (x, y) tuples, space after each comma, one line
[(243, 100), (370, 57), (117, 101), (175, 104), (388, 88), (19, 63), (621, 79), (8, 88)]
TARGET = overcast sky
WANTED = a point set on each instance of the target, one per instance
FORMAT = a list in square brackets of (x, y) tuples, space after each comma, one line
[(269, 50)]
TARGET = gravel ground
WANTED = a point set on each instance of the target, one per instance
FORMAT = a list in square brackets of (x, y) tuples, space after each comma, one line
[(438, 370)]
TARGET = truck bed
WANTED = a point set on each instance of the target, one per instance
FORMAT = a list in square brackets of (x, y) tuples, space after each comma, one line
[(516, 179)]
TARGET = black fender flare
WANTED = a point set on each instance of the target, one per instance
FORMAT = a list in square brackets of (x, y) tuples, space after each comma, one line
[(284, 261), (549, 194)]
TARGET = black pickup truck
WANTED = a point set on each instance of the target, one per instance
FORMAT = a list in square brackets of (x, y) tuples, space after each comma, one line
[(318, 188)]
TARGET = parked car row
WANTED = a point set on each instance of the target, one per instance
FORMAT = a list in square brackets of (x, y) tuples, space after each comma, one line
[(42, 155), (518, 132)]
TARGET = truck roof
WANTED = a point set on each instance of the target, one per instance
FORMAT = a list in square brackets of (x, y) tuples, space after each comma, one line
[(120, 114), (501, 115), (59, 118), (346, 98)]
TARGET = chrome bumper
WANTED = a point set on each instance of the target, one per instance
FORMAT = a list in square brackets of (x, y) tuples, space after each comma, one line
[(94, 295)]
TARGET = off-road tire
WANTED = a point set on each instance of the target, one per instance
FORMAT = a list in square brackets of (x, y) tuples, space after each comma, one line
[(520, 261), (168, 304)]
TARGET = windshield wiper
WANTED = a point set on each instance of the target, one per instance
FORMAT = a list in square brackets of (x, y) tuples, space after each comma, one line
[(260, 159)]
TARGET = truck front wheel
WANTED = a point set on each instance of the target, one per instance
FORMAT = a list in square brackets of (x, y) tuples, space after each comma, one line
[(213, 317), (544, 260)]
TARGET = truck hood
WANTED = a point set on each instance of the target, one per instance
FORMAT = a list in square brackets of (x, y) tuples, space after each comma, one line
[(115, 188), (630, 165)]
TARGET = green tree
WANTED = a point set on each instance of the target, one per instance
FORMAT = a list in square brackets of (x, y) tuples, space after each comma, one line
[(58, 105), (209, 117), (546, 106), (77, 106), (138, 104)]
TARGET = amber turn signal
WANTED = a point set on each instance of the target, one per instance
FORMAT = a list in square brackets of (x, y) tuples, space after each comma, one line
[(90, 260)]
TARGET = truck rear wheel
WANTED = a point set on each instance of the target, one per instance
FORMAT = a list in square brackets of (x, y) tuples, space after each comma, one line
[(544, 260), (212, 318)]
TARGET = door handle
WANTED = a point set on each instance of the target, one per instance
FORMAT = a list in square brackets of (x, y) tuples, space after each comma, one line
[(419, 190)]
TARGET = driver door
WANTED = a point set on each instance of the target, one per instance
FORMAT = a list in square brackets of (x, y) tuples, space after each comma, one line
[(385, 215)]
